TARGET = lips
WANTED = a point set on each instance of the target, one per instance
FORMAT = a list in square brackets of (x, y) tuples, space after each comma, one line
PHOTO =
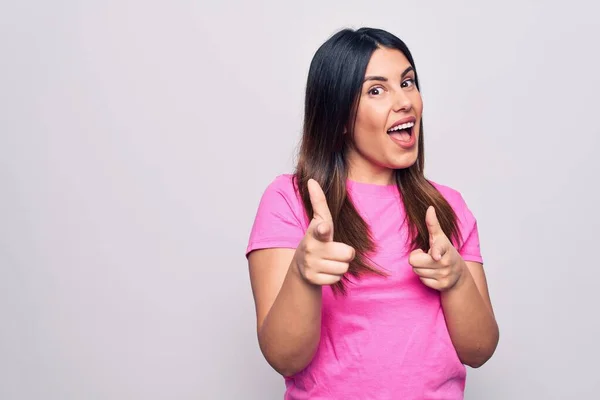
[(408, 126), (402, 121), (402, 132)]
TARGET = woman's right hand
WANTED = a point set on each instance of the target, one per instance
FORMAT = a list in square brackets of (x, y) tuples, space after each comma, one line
[(319, 259)]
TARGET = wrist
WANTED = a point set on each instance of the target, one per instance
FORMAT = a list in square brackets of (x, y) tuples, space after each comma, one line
[(463, 276), (296, 271)]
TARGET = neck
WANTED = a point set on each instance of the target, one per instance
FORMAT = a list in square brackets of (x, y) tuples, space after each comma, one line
[(360, 170)]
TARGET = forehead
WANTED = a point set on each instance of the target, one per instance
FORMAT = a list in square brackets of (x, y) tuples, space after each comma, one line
[(387, 62)]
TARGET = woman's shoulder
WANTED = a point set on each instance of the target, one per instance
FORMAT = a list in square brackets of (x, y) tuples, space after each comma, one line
[(284, 179), (284, 184), (452, 195), (445, 189), (279, 220), (467, 222), (282, 191)]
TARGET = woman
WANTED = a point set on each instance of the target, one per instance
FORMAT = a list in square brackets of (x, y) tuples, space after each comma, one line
[(367, 277)]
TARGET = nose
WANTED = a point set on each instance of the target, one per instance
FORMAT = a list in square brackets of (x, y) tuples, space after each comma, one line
[(402, 102)]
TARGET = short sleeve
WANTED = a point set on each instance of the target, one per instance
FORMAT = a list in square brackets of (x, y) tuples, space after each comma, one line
[(469, 248), (279, 220)]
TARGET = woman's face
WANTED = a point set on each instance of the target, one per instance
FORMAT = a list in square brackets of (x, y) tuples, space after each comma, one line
[(386, 132)]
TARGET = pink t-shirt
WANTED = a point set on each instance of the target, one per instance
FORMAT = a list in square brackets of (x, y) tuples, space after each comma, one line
[(387, 338)]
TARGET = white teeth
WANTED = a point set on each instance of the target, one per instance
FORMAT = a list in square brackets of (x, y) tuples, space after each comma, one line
[(403, 126)]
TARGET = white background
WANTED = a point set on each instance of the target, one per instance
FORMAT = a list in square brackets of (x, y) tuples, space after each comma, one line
[(137, 137)]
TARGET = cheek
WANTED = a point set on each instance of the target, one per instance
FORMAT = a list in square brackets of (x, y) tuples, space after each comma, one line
[(367, 132), (371, 118), (418, 104)]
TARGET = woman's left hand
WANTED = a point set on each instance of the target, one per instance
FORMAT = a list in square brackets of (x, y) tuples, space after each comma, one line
[(441, 268)]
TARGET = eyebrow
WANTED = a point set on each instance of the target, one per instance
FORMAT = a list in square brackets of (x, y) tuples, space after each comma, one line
[(384, 79)]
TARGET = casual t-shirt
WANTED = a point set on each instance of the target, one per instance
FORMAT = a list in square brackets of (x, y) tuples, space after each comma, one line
[(387, 337)]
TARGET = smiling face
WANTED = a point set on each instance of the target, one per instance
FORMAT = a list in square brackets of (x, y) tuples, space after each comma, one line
[(386, 131)]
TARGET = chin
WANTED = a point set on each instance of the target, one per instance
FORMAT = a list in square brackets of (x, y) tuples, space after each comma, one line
[(404, 161)]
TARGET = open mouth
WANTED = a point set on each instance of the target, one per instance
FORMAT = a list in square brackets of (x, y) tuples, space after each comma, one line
[(402, 132)]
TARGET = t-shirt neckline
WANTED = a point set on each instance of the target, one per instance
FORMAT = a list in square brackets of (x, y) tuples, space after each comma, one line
[(371, 189)]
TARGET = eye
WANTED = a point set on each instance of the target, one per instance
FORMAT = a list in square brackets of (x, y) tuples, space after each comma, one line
[(410, 82), (376, 91)]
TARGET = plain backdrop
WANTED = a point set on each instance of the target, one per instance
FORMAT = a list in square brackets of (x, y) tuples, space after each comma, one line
[(136, 138)]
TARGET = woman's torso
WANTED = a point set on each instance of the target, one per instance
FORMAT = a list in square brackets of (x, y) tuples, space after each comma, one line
[(387, 337)]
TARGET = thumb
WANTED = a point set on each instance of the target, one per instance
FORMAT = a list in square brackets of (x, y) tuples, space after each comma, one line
[(322, 223), (433, 225), (323, 231)]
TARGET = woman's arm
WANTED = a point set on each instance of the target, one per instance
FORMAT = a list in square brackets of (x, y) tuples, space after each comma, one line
[(288, 310), (470, 317), (464, 295), (287, 292)]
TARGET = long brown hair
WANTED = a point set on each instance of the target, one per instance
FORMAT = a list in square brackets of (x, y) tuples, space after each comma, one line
[(334, 82)]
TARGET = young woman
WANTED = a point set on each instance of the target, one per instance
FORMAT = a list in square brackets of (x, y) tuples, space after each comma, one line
[(367, 277)]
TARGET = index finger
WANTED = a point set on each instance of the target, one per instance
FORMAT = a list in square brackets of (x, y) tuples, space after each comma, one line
[(318, 201)]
